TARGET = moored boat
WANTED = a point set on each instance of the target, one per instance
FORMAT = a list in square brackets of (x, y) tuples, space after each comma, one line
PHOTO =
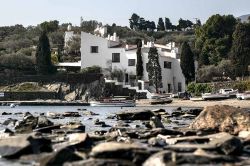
[(113, 103), (215, 96), (231, 92), (13, 105), (161, 101), (243, 96)]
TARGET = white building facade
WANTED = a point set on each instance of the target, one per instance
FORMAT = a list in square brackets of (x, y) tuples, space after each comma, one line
[(109, 53)]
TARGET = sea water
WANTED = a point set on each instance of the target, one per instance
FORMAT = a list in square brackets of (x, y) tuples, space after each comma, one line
[(103, 113), (88, 121)]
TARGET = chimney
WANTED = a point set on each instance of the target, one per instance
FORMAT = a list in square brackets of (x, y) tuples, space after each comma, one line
[(126, 47), (142, 41), (114, 35)]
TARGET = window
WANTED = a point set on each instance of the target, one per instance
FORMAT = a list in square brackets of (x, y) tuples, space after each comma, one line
[(147, 67), (179, 87), (94, 49), (131, 62), (169, 88), (115, 57), (167, 65)]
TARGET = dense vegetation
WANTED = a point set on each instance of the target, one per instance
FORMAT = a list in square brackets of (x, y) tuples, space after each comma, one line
[(221, 45), (18, 44)]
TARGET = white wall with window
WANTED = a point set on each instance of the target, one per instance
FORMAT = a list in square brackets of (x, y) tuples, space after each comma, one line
[(170, 68), (95, 51), (105, 53)]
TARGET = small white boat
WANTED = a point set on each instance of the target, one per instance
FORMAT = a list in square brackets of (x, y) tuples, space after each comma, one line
[(161, 101), (13, 105), (243, 96), (196, 99), (231, 92), (215, 96), (113, 103), (160, 96)]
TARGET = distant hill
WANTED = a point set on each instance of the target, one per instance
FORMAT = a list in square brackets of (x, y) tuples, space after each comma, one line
[(244, 18)]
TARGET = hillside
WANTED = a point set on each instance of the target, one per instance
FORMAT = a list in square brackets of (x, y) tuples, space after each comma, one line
[(244, 18)]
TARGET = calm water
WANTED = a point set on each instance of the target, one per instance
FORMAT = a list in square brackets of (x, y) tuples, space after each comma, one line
[(86, 120)]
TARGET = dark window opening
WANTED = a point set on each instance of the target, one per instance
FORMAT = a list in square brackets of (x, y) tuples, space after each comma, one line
[(115, 57), (167, 65), (179, 87), (131, 62), (94, 49)]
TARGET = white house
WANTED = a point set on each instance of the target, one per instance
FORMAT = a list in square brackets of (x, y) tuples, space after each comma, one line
[(110, 53), (69, 35)]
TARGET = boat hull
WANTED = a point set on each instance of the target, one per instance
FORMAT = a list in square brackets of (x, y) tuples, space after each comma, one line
[(108, 104), (156, 102), (215, 96), (243, 96)]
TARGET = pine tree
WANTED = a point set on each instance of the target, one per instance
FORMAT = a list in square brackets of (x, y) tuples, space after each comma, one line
[(134, 21), (168, 24), (154, 69), (187, 62), (139, 64), (241, 49), (160, 26), (43, 55)]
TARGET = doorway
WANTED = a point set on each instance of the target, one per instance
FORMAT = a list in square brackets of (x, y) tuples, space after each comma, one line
[(169, 88)]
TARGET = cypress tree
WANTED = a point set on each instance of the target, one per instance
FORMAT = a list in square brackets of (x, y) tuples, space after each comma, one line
[(139, 64), (154, 69), (43, 55), (187, 62), (240, 52)]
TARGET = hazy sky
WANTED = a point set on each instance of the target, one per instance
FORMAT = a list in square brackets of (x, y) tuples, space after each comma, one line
[(33, 12)]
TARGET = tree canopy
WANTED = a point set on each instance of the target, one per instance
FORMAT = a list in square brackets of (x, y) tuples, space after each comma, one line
[(241, 49), (214, 39), (89, 26), (184, 24), (160, 26), (168, 24), (50, 26)]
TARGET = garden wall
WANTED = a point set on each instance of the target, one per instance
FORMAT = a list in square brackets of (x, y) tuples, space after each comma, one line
[(66, 78), (21, 96)]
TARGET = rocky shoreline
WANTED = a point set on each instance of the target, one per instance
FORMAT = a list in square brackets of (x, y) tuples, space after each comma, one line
[(216, 135)]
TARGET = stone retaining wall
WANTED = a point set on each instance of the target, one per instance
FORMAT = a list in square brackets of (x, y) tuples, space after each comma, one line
[(66, 78), (11, 96)]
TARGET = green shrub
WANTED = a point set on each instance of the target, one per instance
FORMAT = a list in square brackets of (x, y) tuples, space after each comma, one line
[(54, 59), (242, 86), (17, 62), (118, 74), (91, 70), (191, 87), (198, 88)]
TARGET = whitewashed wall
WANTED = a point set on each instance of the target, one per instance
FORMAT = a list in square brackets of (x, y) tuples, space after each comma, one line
[(169, 76)]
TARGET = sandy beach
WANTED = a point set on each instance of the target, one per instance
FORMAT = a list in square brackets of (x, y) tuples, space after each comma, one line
[(142, 102), (189, 103)]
